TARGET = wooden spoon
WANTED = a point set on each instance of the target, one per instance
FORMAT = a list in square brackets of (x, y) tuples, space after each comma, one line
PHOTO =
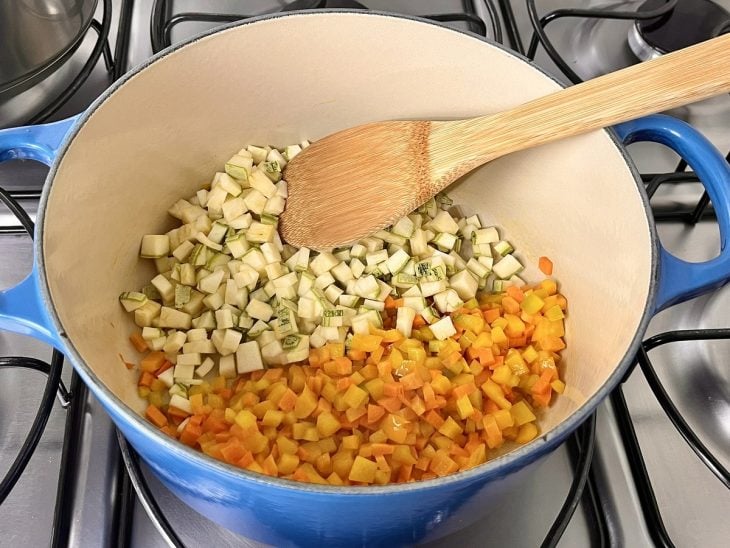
[(351, 183)]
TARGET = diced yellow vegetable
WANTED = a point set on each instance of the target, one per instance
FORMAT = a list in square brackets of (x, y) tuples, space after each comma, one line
[(327, 424), (527, 432), (521, 413), (363, 470)]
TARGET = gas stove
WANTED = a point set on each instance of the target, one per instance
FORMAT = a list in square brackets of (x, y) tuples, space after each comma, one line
[(649, 468)]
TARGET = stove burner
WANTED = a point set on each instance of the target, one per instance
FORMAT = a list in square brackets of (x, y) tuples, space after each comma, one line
[(689, 23)]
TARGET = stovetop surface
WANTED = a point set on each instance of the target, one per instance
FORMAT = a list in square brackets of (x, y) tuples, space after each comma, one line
[(693, 504)]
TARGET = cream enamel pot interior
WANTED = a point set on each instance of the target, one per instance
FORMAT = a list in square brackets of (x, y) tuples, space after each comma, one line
[(164, 129)]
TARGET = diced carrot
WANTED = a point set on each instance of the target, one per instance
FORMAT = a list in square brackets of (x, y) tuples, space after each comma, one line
[(191, 433), (344, 365), (288, 400), (390, 404), (554, 344), (390, 303), (491, 314), (152, 362), (138, 342), (486, 356), (404, 473), (463, 390), (382, 449), (146, 379), (393, 389), (164, 367), (543, 383), (156, 416), (434, 419), (542, 400), (233, 451), (516, 293), (170, 430), (517, 342), (545, 265), (375, 413), (273, 374), (510, 305), (343, 384), (418, 321), (357, 355), (246, 459), (411, 381)]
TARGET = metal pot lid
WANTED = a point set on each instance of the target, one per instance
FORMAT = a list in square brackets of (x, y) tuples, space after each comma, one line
[(36, 36)]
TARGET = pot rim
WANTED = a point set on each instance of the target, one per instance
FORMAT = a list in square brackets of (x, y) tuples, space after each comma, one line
[(492, 469)]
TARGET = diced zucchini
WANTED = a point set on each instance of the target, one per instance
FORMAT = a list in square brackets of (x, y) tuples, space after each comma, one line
[(274, 206), (132, 300), (430, 315), (248, 358), (154, 246), (291, 152), (477, 268), (182, 295), (390, 237), (487, 235), (272, 170), (502, 248), (397, 261), (174, 342), (239, 167), (333, 293), (443, 222), (416, 303), (507, 266), (324, 280), (204, 368), (255, 259), (404, 320), (465, 284), (342, 273), (255, 201), (259, 310), (350, 301), (429, 289), (145, 314), (210, 283), (404, 227), (443, 328), (260, 233), (242, 222), (171, 318), (257, 153), (358, 251), (262, 183), (324, 262), (299, 262)]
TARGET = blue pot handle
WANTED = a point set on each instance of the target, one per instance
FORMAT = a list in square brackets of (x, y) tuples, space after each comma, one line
[(680, 280), (21, 307)]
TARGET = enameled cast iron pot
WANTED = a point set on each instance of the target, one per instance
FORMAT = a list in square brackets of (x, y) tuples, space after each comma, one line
[(161, 132)]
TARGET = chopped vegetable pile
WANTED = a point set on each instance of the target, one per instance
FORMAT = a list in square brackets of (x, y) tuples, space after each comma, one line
[(407, 356)]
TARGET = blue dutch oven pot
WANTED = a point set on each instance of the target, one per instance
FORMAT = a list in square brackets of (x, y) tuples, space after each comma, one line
[(158, 135)]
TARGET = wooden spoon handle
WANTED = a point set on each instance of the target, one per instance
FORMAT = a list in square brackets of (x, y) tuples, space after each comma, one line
[(669, 81)]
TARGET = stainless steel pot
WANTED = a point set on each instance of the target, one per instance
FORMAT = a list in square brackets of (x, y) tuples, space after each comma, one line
[(36, 36)]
